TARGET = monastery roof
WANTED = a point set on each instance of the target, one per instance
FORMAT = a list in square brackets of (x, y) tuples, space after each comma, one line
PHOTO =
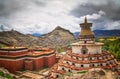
[(12, 48), (81, 44), (40, 52), (14, 53)]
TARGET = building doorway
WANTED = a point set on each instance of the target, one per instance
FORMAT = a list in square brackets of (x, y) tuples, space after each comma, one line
[(84, 50)]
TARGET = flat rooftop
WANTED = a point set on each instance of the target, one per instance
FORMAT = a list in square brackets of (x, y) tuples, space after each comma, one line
[(79, 44), (40, 52), (12, 48)]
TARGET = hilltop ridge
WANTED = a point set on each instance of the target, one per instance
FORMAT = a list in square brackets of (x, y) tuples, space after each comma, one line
[(58, 37)]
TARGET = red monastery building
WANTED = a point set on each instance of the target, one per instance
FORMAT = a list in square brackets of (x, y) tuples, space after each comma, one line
[(20, 58), (85, 54)]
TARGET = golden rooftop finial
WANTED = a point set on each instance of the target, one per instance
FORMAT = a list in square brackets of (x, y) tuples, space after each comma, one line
[(85, 28), (85, 20)]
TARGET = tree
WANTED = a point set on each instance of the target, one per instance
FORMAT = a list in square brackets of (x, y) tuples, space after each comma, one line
[(113, 47)]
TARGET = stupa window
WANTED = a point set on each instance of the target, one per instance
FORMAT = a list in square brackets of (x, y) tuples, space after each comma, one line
[(106, 64), (101, 64), (98, 58), (57, 76), (82, 65), (73, 63), (67, 62), (77, 58), (63, 69), (69, 70), (93, 65), (90, 58), (84, 50)]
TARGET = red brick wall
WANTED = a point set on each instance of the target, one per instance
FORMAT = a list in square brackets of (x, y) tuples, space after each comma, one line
[(38, 63), (45, 62), (28, 65), (12, 66), (3, 53), (50, 61)]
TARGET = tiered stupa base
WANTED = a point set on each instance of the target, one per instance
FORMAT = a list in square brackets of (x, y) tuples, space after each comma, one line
[(74, 63)]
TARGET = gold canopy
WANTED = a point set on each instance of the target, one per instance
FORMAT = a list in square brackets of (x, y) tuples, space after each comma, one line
[(86, 32), (85, 28)]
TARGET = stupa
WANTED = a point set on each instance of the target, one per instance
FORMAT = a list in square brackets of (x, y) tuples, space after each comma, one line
[(84, 55)]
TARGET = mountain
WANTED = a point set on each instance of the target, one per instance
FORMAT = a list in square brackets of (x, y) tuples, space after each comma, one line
[(106, 33), (63, 33), (16, 38), (58, 37), (76, 35), (102, 33)]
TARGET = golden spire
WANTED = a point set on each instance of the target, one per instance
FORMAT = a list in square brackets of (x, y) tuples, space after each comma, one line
[(85, 20), (85, 28)]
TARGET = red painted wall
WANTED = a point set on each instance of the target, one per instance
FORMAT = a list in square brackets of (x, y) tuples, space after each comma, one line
[(28, 65), (38, 63), (14, 53), (12, 66), (50, 61), (18, 53)]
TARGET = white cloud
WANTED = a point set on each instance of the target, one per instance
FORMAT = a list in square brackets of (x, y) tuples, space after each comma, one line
[(43, 16), (94, 16), (55, 13), (112, 25)]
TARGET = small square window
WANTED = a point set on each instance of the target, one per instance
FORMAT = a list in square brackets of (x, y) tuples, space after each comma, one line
[(101, 64), (63, 69), (67, 62), (69, 70), (77, 58), (82, 65), (90, 58), (73, 63), (106, 64), (57, 76)]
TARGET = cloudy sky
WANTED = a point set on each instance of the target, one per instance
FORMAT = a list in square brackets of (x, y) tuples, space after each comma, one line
[(42, 16)]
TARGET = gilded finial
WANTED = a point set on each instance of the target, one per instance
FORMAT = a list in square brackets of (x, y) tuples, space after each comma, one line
[(85, 20)]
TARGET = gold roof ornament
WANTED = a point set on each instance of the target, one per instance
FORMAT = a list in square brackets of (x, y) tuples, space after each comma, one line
[(85, 28), (85, 20)]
